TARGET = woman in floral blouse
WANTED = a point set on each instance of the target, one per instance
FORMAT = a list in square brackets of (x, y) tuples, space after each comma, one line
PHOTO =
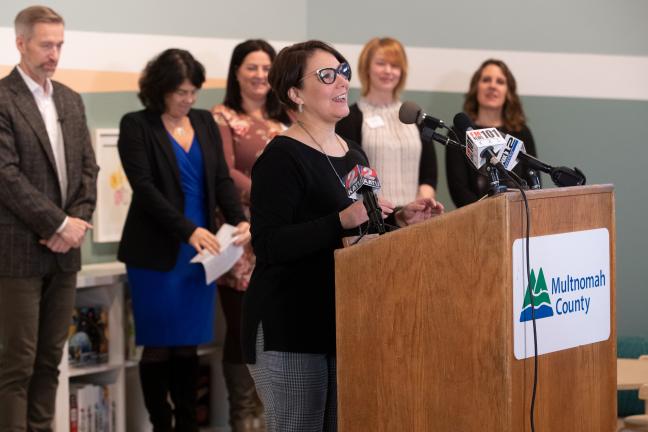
[(249, 117)]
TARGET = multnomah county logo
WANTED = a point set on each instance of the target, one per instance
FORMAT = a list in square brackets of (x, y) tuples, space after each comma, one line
[(541, 298), (569, 277)]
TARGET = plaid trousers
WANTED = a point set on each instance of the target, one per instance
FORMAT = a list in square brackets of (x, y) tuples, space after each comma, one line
[(298, 390)]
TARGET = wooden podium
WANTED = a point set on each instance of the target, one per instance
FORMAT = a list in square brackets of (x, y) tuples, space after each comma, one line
[(425, 331)]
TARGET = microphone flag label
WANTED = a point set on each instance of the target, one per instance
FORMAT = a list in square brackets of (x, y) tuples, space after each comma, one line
[(360, 176), (509, 154), (480, 139)]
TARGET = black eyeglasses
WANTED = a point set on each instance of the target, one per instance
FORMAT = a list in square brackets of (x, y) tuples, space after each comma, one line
[(328, 75)]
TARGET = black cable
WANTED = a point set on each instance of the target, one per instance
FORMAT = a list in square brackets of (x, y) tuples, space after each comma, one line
[(532, 299), (453, 133), (533, 318), (517, 179), (391, 228), (520, 183), (362, 234)]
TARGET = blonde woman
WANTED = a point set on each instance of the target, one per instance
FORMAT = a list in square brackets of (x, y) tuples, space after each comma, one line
[(406, 166)]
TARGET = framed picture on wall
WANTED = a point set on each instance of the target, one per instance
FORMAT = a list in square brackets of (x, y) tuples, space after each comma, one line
[(113, 191)]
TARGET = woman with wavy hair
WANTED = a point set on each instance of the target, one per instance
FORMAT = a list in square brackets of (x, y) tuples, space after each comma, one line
[(491, 101), (249, 117)]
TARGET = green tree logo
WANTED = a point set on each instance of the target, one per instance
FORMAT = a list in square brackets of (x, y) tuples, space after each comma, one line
[(541, 300)]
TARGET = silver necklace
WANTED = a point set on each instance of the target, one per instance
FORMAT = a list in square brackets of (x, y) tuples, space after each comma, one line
[(301, 124), (331, 164)]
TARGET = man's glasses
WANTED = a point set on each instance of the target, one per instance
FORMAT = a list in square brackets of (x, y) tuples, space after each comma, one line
[(328, 75)]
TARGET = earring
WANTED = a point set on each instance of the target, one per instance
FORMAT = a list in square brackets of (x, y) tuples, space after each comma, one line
[(300, 108)]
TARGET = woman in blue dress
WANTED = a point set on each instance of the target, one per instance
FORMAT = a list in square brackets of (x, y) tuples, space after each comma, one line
[(173, 158)]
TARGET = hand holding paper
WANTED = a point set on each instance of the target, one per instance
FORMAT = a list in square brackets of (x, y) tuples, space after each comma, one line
[(216, 265), (204, 241)]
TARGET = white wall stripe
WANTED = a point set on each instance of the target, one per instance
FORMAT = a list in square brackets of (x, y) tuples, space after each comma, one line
[(537, 74), (431, 69)]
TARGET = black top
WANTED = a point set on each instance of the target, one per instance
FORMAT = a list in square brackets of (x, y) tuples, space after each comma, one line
[(295, 200), (156, 224), (468, 185), (350, 128)]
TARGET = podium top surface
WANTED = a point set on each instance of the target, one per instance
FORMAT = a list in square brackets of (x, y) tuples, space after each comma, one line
[(515, 195)]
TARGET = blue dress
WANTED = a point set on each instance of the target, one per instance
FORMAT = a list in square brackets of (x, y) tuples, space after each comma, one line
[(176, 307)]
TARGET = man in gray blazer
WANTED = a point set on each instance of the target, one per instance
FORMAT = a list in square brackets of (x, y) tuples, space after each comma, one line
[(47, 195)]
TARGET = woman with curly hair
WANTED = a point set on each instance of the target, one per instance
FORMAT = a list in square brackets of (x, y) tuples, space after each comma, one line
[(173, 158)]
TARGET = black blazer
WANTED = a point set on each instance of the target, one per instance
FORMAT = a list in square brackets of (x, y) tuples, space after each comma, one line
[(156, 225)]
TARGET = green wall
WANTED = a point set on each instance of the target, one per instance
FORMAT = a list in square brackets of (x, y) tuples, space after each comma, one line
[(602, 137)]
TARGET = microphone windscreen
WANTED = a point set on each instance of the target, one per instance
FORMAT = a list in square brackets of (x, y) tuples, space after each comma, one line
[(355, 157), (462, 122), (409, 112)]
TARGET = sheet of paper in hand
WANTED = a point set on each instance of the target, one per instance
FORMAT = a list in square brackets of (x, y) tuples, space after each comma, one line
[(216, 265)]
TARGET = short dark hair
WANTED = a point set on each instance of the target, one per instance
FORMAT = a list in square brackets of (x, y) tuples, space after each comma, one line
[(27, 18), (288, 68), (232, 99), (165, 73)]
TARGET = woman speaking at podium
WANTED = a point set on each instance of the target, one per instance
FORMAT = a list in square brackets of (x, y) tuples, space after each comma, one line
[(299, 212)]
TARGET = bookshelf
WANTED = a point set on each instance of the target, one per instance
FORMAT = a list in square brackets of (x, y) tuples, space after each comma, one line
[(98, 284), (105, 285)]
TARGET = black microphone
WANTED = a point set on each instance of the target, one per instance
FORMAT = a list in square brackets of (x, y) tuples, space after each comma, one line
[(561, 176), (411, 113), (462, 123), (364, 180), (564, 177)]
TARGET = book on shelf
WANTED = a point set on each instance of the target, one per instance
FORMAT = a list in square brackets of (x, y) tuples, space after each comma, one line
[(88, 336), (92, 408)]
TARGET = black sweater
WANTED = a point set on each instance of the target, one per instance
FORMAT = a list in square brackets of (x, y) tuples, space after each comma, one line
[(295, 200), (466, 184)]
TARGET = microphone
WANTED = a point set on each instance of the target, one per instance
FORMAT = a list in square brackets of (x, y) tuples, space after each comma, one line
[(462, 123), (564, 177), (514, 152), (411, 113), (482, 146), (511, 154), (364, 180)]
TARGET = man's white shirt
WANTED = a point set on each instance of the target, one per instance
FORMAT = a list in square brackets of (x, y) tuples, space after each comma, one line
[(45, 102)]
